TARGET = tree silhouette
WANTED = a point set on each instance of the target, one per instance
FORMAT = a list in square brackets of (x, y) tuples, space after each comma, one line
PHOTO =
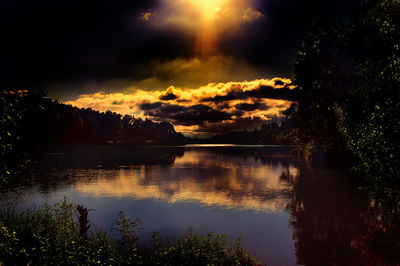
[(348, 78), (32, 122)]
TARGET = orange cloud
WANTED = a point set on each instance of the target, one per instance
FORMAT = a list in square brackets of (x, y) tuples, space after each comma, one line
[(146, 15), (229, 106), (195, 72), (250, 15)]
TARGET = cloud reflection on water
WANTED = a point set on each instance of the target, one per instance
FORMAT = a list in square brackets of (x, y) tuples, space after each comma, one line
[(202, 177)]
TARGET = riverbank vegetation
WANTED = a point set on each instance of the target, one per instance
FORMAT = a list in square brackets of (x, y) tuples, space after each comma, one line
[(31, 123), (348, 79), (62, 235)]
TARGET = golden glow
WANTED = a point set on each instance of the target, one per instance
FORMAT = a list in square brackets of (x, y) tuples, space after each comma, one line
[(129, 103), (209, 20), (208, 8), (207, 37), (146, 15), (252, 186)]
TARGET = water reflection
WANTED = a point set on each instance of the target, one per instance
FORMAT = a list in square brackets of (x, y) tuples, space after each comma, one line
[(222, 181), (68, 167), (337, 224), (284, 211), (108, 157)]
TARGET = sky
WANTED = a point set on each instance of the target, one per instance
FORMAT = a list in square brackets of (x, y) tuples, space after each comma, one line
[(206, 66)]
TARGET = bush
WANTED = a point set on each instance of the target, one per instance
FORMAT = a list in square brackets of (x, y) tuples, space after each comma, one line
[(52, 235), (195, 249), (348, 80)]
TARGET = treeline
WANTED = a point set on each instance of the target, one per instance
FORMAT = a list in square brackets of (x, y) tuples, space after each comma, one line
[(32, 122), (40, 121), (348, 88), (267, 134)]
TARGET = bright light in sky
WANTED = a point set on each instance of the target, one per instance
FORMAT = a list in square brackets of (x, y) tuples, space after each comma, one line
[(207, 37), (208, 20), (209, 8)]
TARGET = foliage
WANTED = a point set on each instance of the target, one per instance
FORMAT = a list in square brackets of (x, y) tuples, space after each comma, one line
[(129, 239), (194, 249), (31, 122), (348, 90), (15, 107), (51, 235), (266, 135)]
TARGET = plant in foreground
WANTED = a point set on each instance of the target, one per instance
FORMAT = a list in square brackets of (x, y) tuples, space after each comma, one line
[(60, 234)]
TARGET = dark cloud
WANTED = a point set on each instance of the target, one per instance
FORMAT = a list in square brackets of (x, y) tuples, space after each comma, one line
[(150, 106), (162, 108), (229, 97), (170, 108), (224, 105), (273, 43), (279, 83), (251, 106), (72, 41), (191, 114), (188, 116), (69, 41), (168, 97), (271, 93), (235, 125), (238, 113), (183, 101), (261, 92)]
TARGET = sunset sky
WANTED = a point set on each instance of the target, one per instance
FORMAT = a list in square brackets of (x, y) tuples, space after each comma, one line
[(206, 66)]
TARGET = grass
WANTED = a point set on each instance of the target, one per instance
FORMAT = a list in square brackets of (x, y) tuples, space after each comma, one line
[(61, 235)]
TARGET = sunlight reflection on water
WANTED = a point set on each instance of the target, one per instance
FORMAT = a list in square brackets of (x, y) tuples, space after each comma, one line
[(220, 182), (235, 190), (287, 213)]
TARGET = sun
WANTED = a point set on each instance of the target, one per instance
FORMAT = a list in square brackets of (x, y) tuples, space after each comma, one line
[(209, 8)]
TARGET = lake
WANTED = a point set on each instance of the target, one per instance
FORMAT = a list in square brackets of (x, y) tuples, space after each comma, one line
[(286, 213)]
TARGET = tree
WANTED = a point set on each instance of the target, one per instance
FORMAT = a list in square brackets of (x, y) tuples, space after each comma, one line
[(348, 78)]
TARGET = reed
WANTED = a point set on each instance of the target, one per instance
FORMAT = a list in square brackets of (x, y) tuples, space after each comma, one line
[(61, 234)]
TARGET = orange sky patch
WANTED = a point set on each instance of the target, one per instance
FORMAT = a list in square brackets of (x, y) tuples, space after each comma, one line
[(193, 110)]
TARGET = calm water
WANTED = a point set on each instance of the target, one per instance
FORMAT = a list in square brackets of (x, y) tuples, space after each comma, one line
[(286, 213)]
